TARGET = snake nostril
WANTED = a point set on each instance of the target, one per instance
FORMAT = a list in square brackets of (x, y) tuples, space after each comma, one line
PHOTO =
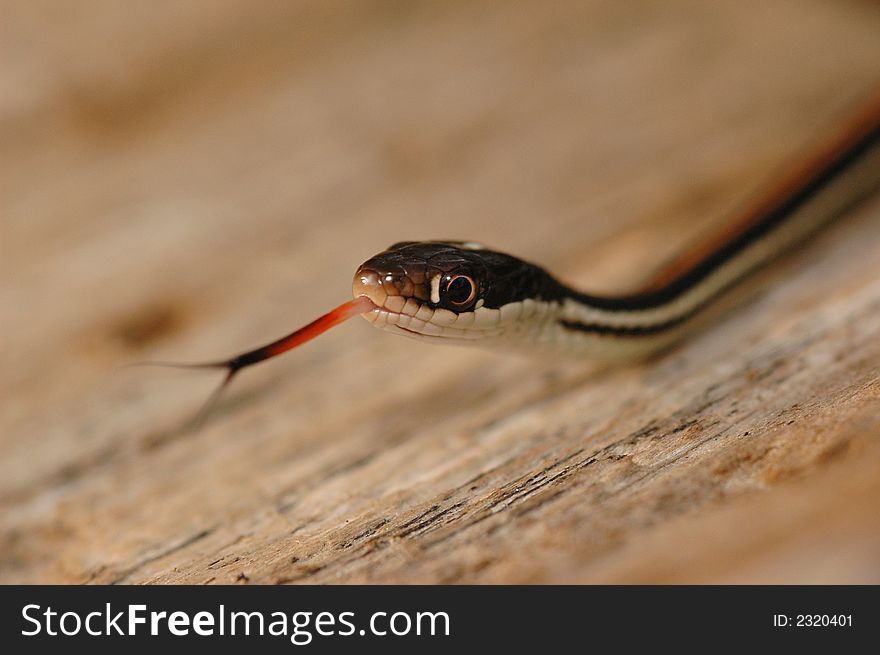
[(367, 279), (395, 284), (379, 285)]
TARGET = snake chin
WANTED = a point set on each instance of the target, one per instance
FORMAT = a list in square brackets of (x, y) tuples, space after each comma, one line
[(418, 334)]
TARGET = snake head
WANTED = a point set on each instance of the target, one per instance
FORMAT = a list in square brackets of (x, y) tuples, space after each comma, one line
[(448, 289)]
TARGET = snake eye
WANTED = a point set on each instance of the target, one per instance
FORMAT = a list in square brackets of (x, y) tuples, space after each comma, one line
[(460, 290)]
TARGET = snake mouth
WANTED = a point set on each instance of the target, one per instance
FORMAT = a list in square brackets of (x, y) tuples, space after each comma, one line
[(396, 307), (408, 324), (420, 325), (386, 289), (418, 334), (403, 305)]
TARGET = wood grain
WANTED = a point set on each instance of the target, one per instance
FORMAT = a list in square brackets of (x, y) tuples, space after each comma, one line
[(188, 181)]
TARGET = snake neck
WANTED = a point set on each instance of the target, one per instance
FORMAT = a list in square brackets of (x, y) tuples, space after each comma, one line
[(502, 302)]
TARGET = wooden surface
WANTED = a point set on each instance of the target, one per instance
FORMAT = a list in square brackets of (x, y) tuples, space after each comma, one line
[(184, 181)]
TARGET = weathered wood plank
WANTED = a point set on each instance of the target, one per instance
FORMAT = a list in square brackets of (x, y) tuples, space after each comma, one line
[(203, 178)]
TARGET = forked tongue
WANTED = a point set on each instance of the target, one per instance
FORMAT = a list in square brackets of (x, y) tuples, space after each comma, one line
[(345, 311)]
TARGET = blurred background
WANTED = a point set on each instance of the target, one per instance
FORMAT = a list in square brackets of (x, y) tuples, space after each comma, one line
[(187, 180)]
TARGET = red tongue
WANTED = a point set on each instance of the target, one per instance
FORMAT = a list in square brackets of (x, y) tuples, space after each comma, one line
[(345, 311)]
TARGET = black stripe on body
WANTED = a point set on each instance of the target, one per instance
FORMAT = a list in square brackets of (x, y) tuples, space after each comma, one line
[(774, 219), (763, 228), (408, 268), (646, 330)]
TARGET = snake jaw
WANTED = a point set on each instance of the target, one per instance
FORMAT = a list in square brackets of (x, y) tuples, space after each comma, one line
[(407, 316), (380, 287), (406, 285), (385, 291), (411, 287), (395, 307)]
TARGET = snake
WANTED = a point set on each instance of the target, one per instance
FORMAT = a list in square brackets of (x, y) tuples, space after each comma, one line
[(465, 293)]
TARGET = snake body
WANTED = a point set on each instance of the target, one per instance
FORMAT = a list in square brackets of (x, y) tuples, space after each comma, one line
[(461, 292), (464, 293)]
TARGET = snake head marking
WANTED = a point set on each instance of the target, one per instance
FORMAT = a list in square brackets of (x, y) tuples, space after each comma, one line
[(469, 273)]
